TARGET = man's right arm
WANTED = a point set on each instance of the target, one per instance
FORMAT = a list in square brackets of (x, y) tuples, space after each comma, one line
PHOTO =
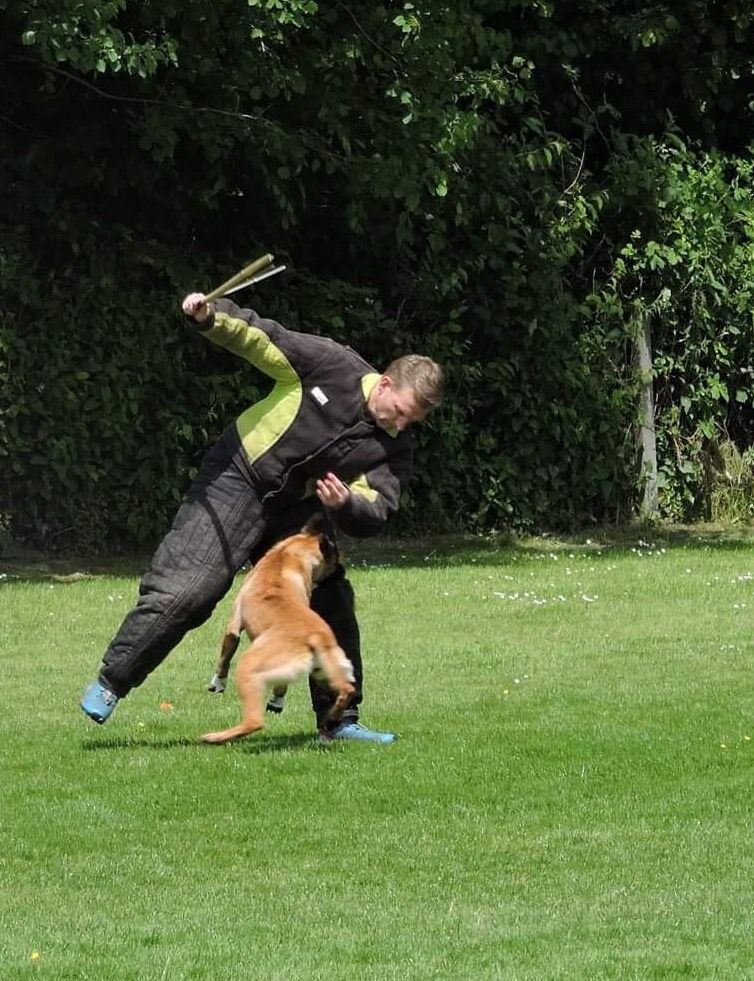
[(264, 343), (195, 308)]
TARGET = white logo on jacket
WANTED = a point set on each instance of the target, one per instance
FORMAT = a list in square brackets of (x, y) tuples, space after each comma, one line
[(319, 395)]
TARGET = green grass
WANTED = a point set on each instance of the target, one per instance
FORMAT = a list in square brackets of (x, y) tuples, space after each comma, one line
[(571, 797)]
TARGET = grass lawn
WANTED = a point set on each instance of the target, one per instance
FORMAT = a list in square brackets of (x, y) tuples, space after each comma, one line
[(571, 796)]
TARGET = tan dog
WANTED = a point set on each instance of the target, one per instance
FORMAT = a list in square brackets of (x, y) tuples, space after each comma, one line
[(290, 639)]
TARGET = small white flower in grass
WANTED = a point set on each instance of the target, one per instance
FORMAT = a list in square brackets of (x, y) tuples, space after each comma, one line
[(505, 691), (589, 599), (747, 739)]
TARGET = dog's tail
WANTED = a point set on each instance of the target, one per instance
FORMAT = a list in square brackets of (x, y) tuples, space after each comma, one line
[(330, 660)]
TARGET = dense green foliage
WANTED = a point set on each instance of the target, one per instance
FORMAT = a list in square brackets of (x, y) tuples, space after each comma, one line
[(509, 187)]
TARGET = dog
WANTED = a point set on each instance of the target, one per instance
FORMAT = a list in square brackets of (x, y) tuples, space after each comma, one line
[(289, 639)]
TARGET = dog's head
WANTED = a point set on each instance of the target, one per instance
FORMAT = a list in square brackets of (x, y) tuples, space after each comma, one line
[(315, 555)]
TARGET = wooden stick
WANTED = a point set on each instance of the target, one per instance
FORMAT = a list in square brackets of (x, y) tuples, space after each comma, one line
[(246, 273)]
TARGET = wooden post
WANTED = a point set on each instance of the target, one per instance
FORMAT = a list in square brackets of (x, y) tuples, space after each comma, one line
[(650, 504)]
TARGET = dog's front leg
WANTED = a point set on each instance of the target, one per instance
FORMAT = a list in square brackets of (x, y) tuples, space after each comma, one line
[(229, 647)]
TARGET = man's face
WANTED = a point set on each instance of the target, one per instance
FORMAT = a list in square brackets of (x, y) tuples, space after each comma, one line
[(395, 408)]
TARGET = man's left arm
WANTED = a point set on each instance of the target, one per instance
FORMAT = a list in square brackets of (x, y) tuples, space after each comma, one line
[(362, 507)]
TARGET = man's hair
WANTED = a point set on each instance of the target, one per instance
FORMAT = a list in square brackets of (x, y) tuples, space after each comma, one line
[(423, 375)]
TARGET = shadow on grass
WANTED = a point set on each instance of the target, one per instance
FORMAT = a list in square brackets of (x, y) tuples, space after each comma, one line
[(255, 745), (439, 550)]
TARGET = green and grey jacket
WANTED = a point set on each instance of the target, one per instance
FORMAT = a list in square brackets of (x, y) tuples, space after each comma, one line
[(314, 420)]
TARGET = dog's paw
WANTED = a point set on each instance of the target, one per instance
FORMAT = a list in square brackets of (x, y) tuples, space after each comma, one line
[(275, 703), (217, 684)]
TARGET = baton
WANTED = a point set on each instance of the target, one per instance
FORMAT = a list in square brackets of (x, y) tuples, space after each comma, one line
[(241, 277), (255, 279)]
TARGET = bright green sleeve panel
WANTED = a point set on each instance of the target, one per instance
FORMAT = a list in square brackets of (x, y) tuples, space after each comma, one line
[(251, 344), (361, 487)]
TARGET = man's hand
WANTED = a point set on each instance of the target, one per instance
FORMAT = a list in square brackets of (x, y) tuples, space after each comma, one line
[(332, 492), (195, 307)]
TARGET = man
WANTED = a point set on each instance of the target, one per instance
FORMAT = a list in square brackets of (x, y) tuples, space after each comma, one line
[(330, 436)]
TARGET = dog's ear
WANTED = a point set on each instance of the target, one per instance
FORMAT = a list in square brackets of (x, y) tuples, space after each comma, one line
[(316, 525), (328, 548), (319, 526)]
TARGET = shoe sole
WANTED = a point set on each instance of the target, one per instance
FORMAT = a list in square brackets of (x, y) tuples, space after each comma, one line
[(94, 716), (357, 739)]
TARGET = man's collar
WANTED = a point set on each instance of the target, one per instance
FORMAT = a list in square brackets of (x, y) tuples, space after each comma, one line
[(368, 384)]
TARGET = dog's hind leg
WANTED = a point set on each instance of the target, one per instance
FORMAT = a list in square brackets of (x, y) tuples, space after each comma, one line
[(251, 680), (276, 701)]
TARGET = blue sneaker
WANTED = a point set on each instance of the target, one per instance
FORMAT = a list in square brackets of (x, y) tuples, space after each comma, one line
[(357, 732), (98, 702)]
